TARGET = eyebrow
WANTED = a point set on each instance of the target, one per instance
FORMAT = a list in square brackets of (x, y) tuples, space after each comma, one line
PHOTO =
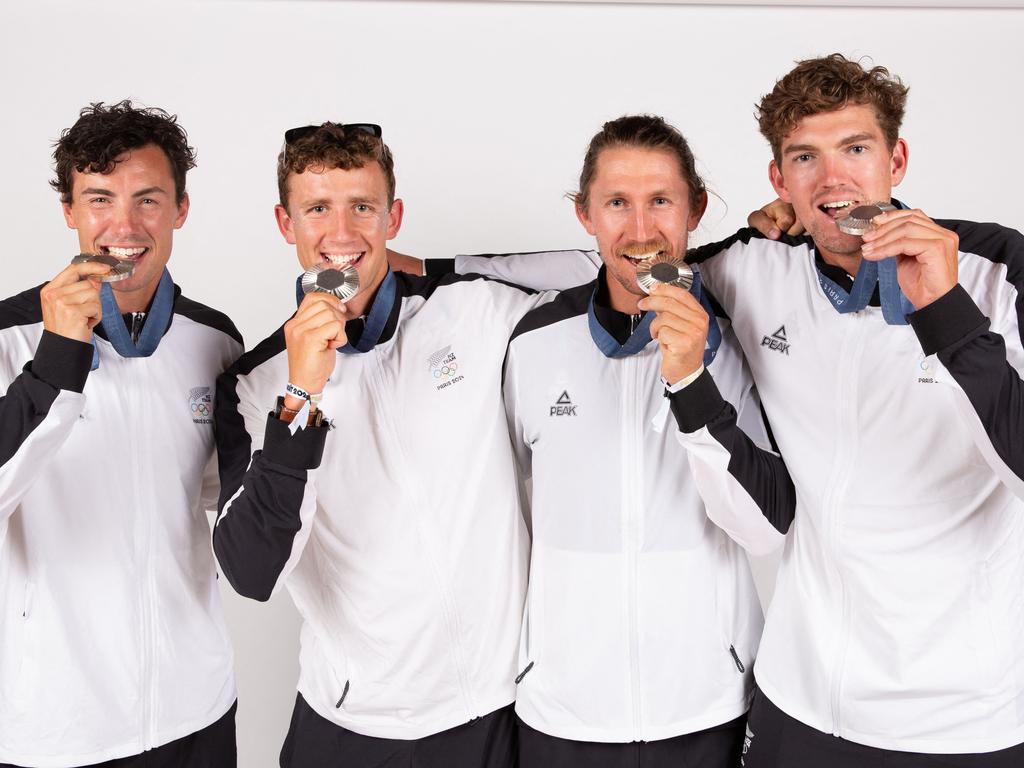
[(107, 193), (854, 139), (352, 200)]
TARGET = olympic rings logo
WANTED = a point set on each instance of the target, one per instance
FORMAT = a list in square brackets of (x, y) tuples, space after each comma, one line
[(446, 371), (201, 409)]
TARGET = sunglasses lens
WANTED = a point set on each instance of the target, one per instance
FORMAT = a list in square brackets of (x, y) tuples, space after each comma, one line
[(296, 134)]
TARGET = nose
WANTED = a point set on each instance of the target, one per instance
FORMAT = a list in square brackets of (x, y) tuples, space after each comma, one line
[(641, 224), (340, 225), (832, 171), (126, 217)]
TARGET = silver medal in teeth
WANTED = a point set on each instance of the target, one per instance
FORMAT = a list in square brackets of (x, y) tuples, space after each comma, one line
[(858, 221), (119, 268), (663, 270), (342, 283)]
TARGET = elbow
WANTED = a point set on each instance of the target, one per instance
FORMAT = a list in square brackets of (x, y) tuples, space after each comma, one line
[(241, 572)]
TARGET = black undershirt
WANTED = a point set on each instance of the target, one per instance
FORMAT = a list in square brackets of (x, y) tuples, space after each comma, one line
[(619, 324)]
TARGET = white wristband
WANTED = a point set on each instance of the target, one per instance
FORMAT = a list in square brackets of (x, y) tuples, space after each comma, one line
[(302, 394)]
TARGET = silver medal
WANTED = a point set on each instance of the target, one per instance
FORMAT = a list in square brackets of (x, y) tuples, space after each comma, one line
[(343, 283), (119, 268), (663, 270), (858, 221)]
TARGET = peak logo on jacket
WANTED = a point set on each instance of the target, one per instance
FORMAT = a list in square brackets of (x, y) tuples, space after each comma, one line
[(777, 341), (444, 367), (200, 402), (563, 406)]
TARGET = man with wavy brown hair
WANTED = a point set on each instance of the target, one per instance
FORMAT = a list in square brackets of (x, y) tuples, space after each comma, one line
[(889, 365)]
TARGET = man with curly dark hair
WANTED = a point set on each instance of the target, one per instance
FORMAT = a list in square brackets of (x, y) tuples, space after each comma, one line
[(113, 648)]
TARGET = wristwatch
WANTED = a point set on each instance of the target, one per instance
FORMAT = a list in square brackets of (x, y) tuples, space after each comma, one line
[(287, 415)]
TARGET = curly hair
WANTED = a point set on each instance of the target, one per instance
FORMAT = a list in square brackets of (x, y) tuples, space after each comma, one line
[(102, 134), (334, 146), (827, 84), (644, 132)]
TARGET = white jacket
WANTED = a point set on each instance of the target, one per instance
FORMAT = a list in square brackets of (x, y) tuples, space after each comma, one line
[(398, 532), (642, 619), (112, 640)]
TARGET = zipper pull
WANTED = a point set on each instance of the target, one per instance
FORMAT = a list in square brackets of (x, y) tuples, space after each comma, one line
[(736, 658), (344, 693), (521, 675)]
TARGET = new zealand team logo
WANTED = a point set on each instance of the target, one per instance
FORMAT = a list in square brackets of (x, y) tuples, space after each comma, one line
[(444, 367), (200, 402)]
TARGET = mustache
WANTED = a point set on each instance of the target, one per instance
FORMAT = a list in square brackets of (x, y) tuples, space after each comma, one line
[(636, 250)]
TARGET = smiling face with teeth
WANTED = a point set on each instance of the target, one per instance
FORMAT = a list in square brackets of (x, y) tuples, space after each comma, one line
[(340, 218), (129, 213), (638, 208), (831, 163)]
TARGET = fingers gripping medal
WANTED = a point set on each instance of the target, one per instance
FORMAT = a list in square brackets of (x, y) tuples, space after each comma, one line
[(342, 283), (858, 222), (665, 270), (119, 268)]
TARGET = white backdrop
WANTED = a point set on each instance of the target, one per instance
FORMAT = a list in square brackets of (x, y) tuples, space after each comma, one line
[(488, 108)]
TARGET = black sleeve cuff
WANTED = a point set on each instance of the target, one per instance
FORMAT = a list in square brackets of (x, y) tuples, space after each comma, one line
[(303, 450), (438, 267), (62, 362), (697, 404), (947, 320)]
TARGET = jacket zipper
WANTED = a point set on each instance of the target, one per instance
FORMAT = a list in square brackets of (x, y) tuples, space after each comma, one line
[(846, 450), (736, 658), (632, 448)]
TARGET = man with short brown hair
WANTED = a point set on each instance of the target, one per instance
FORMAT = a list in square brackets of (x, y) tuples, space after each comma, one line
[(399, 532)]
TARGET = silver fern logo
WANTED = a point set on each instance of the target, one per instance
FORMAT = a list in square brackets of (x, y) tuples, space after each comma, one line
[(200, 403), (444, 368)]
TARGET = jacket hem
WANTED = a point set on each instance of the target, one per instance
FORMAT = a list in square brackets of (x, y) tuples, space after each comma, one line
[(701, 722), (1004, 740), (125, 749), (396, 730)]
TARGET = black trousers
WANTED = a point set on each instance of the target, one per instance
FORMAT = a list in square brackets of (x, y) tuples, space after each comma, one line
[(212, 747), (314, 742), (717, 747), (776, 740)]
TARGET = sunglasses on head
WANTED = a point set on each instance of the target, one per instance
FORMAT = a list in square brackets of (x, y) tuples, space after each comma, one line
[(293, 135)]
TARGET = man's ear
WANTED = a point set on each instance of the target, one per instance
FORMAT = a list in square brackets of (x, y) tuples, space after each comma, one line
[(284, 223), (395, 218), (898, 161), (581, 214), (697, 213), (778, 182)]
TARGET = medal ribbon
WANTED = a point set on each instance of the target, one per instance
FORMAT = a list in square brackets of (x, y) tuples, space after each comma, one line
[(895, 306), (641, 335), (157, 320)]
